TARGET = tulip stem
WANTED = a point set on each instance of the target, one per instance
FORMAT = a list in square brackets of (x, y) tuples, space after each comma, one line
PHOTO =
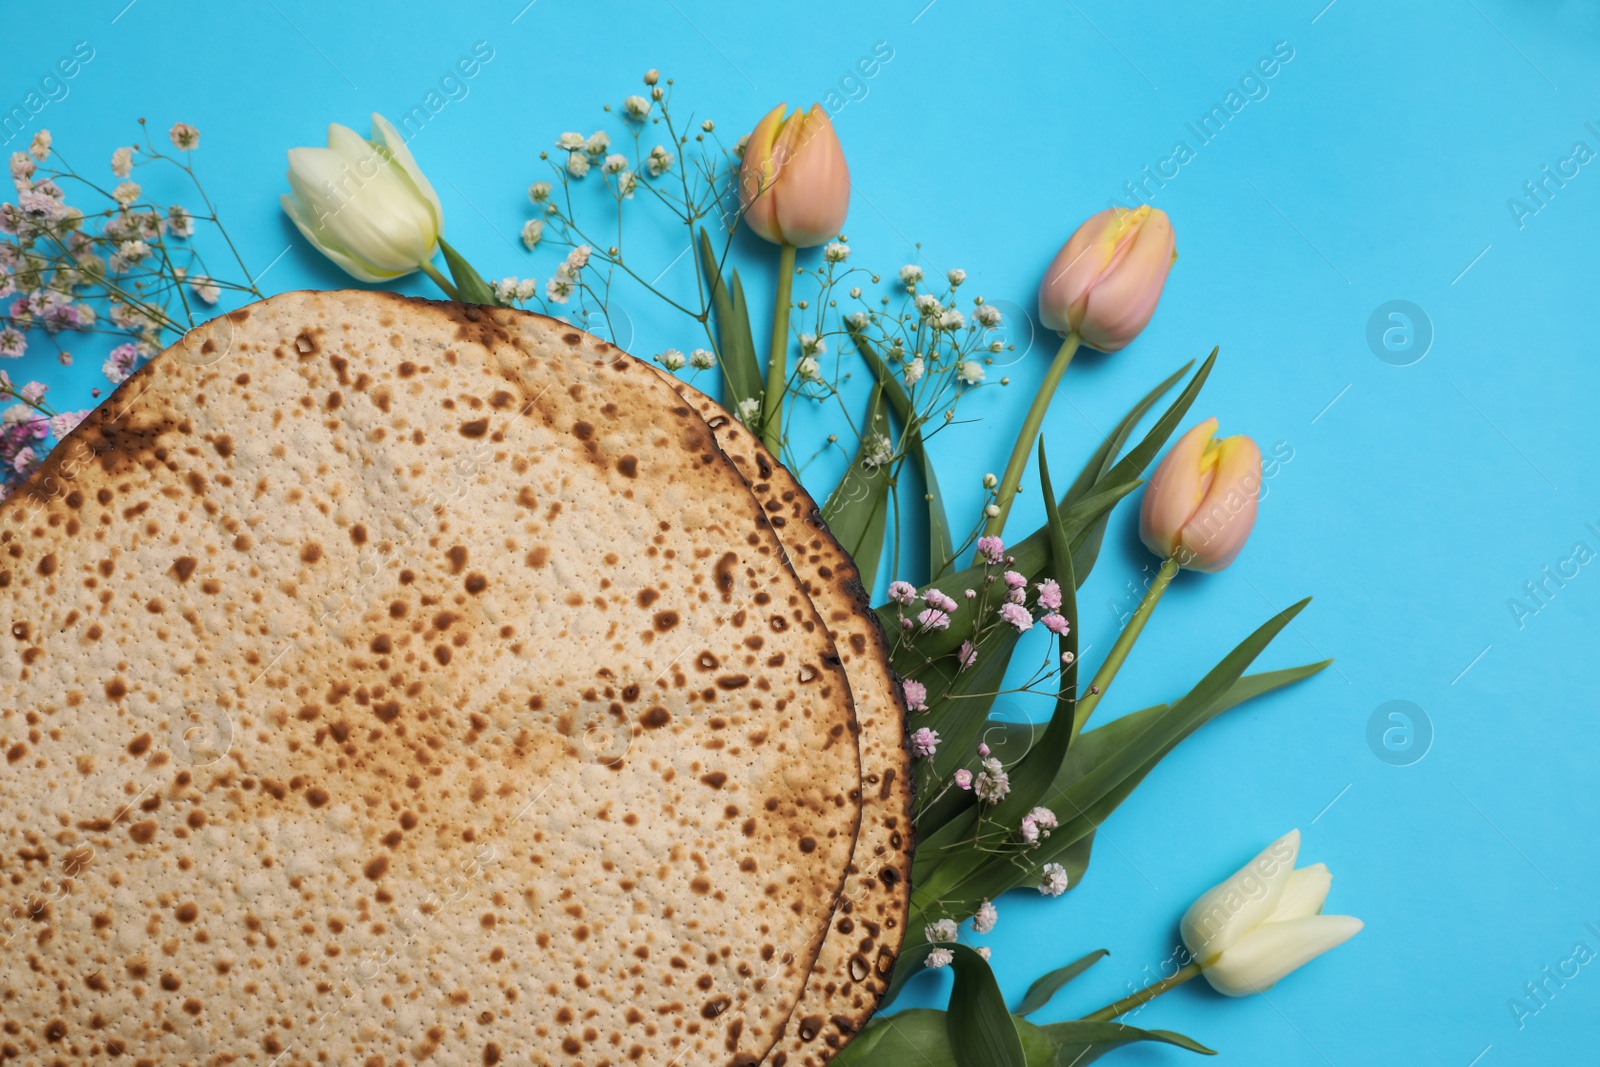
[(778, 354), (1007, 493), (1143, 996), (1124, 644), (440, 280)]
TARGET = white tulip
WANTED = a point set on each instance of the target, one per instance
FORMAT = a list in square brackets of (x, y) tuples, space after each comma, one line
[(364, 204), (1264, 922)]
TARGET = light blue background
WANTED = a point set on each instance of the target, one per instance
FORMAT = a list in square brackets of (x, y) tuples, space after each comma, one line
[(1418, 501)]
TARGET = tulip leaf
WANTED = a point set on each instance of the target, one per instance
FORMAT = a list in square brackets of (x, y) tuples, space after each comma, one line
[(469, 283), (1078, 1042), (736, 354), (1044, 988), (858, 509), (941, 552), (981, 1030)]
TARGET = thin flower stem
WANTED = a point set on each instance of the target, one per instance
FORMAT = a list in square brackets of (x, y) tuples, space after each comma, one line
[(1124, 644), (1143, 996), (1023, 449), (441, 281), (777, 355)]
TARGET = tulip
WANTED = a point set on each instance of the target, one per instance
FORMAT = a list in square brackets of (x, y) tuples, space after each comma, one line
[(794, 188), (1200, 504), (1104, 283), (1265, 922), (365, 205), (794, 185)]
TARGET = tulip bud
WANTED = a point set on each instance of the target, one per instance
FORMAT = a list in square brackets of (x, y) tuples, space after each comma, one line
[(1264, 922), (1107, 278), (364, 203), (1200, 504), (794, 185)]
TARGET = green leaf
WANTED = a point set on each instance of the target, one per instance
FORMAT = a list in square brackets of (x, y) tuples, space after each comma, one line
[(1043, 989), (857, 511), (469, 283), (736, 346), (941, 553), (1079, 1042), (981, 1030), (915, 1038)]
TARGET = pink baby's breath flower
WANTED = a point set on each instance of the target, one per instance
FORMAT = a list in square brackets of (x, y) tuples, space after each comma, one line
[(936, 599), (991, 549), (1017, 616), (1049, 594), (963, 779), (983, 750), (1029, 831), (934, 619), (983, 922), (23, 460), (1053, 880), (916, 696), (902, 592), (1044, 818), (940, 957), (1015, 581), (65, 422), (967, 655), (1056, 624), (924, 743), (184, 136)]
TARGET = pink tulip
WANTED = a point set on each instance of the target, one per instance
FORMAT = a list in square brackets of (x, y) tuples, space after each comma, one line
[(1107, 278), (794, 184), (1200, 504)]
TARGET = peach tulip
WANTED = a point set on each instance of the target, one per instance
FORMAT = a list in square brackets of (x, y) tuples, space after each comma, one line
[(794, 185), (1200, 504), (1107, 278)]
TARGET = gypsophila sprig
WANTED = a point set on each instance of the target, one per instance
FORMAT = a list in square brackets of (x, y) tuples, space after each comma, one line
[(88, 254)]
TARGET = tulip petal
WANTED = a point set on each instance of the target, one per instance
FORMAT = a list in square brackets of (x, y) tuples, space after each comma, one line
[(757, 175), (1215, 533), (306, 224), (1224, 914), (1064, 291), (1304, 894), (1124, 297), (1175, 491), (385, 133), (813, 183), (1259, 959)]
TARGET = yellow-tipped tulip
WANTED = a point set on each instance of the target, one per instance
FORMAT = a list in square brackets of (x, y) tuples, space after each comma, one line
[(794, 185), (1200, 504), (1106, 280)]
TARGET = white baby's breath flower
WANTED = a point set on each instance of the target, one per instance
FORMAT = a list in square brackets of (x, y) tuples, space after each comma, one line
[(615, 164), (984, 950), (39, 147), (997, 347), (526, 289), (597, 143), (952, 320), (627, 182), (577, 259), (207, 290), (986, 315), (1053, 880), (740, 144), (570, 142), (559, 288), (910, 274), (701, 359), (971, 372), (122, 162), (671, 359), (942, 931), (126, 193), (812, 345), (637, 107), (532, 233), (539, 192), (808, 369), (749, 410), (836, 252), (184, 136), (857, 320), (956, 277), (940, 957), (877, 452), (179, 222), (577, 164), (928, 305), (983, 922), (913, 371), (660, 161), (991, 510)]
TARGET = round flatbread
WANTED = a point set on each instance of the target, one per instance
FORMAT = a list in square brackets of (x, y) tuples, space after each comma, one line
[(852, 971), (396, 681)]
